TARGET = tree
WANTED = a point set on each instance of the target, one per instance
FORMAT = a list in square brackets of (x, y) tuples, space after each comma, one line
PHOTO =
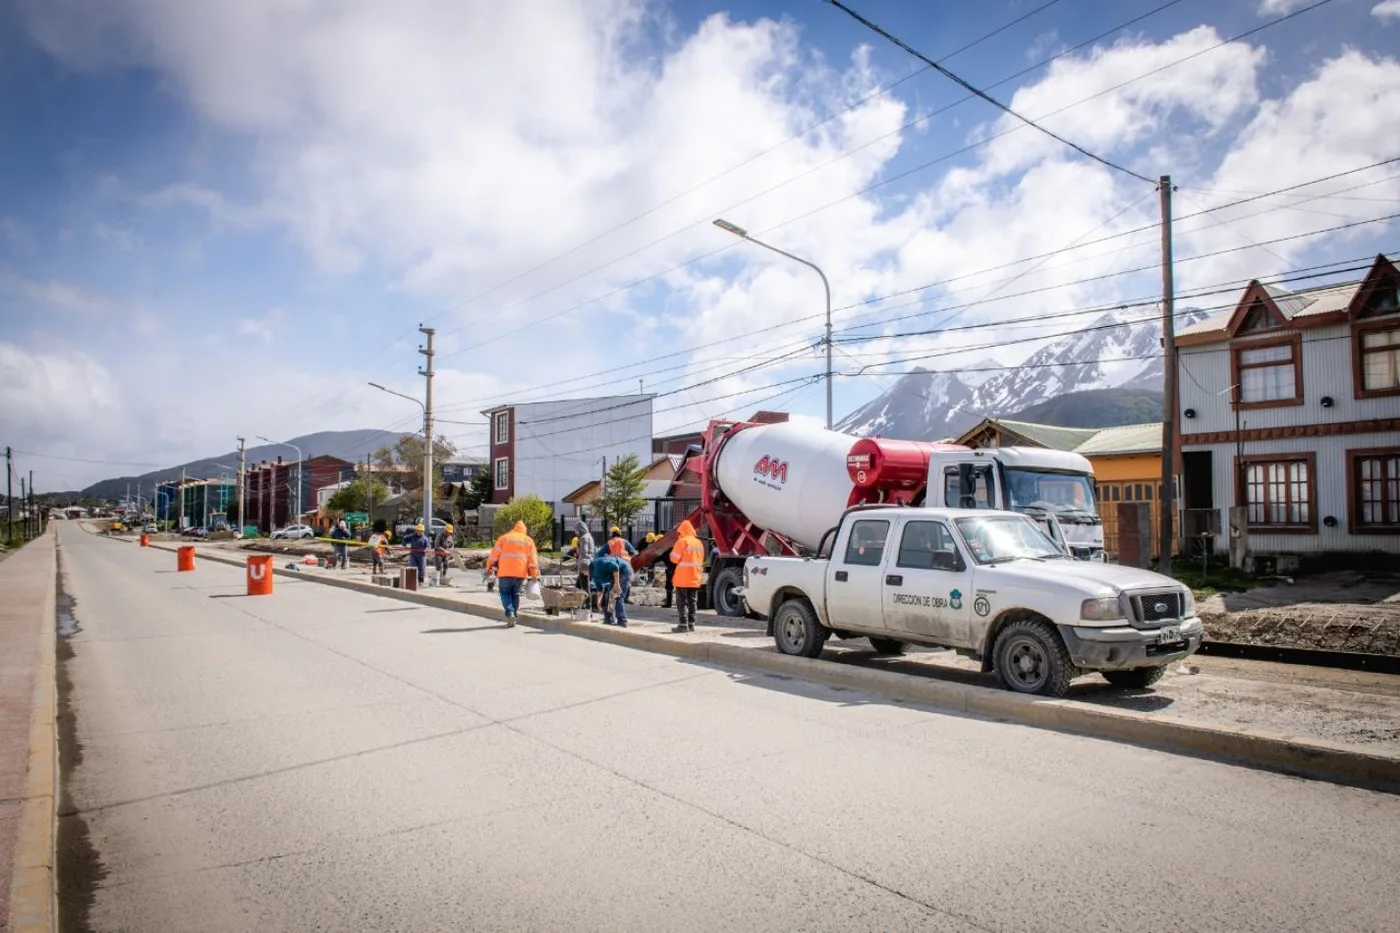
[(361, 495), (621, 498), (534, 512), (477, 491), (408, 452)]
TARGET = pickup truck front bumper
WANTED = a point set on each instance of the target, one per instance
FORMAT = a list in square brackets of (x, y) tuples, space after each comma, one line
[(1124, 648)]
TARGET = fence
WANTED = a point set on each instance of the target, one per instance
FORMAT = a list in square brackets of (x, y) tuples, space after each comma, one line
[(666, 514)]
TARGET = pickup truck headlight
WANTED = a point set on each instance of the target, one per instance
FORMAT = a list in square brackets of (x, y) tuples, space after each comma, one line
[(1104, 609), (1188, 604)]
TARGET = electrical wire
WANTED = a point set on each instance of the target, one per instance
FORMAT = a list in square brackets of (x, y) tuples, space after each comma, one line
[(968, 86)]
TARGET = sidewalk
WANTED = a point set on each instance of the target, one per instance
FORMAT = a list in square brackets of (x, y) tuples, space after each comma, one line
[(28, 742)]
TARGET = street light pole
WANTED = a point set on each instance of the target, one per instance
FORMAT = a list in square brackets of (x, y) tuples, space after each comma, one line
[(299, 459), (427, 427), (740, 232)]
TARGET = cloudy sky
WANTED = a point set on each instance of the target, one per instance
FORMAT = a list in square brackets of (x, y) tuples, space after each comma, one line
[(224, 218)]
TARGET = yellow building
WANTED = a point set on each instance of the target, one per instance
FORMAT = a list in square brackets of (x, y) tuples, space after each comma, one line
[(1127, 461)]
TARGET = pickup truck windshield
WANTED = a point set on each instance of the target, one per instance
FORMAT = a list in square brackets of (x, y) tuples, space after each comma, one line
[(999, 538), (1068, 496)]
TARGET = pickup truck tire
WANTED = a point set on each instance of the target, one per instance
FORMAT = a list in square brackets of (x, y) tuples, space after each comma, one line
[(1138, 678), (727, 602), (1030, 658), (887, 646), (797, 631)]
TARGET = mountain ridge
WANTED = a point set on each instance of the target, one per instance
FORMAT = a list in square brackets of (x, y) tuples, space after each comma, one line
[(349, 445), (1113, 352)]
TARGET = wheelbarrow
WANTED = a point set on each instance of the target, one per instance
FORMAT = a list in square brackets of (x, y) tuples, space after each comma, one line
[(560, 599)]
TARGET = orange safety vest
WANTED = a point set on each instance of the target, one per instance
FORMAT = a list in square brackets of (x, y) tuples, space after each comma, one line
[(514, 555), (617, 547), (689, 557)]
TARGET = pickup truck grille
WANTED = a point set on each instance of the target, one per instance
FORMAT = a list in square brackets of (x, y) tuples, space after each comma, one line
[(1158, 607)]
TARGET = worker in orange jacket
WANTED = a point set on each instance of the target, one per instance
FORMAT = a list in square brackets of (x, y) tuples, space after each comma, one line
[(688, 556), (514, 558)]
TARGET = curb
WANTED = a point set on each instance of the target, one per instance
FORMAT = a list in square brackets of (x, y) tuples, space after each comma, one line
[(1303, 757), (33, 889)]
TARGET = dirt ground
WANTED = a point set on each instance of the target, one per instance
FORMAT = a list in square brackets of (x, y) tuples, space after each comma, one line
[(1345, 611)]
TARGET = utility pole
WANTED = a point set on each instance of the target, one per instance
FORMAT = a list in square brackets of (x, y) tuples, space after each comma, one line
[(242, 450), (24, 498), (181, 525), (33, 521), (10, 491), (1166, 502), (427, 373)]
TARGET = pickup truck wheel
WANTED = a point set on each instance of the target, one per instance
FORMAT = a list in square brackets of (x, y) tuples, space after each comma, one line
[(797, 631), (727, 602), (1138, 678), (887, 646), (1030, 658)]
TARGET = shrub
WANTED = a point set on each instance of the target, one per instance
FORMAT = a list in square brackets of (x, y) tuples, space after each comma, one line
[(534, 512)]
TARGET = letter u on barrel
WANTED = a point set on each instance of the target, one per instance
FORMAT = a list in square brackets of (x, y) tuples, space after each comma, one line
[(260, 575), (185, 558)]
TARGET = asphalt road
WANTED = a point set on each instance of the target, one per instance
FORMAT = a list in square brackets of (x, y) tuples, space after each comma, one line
[(325, 760)]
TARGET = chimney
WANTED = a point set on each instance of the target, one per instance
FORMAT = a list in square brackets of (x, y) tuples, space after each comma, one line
[(279, 460)]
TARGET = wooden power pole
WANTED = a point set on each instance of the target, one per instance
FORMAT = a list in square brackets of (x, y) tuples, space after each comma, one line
[(1166, 501)]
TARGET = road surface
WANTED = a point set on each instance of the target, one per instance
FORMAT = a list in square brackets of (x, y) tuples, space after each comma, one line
[(326, 760)]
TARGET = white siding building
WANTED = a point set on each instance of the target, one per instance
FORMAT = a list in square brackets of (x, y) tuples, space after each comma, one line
[(549, 449), (1290, 405)]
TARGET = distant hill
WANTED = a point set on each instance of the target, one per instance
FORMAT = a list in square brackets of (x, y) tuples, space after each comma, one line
[(1096, 408), (348, 445)]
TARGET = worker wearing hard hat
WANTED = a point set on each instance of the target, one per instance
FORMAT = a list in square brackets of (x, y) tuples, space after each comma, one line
[(618, 546), (418, 545), (443, 542)]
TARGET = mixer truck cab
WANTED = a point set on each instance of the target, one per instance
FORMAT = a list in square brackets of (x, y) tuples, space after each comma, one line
[(988, 584), (1054, 487)]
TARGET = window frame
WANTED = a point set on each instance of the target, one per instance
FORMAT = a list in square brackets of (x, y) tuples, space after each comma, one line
[(1242, 494), (1358, 369), (1354, 523), (851, 537), (496, 473), (903, 533), (500, 429), (1292, 340)]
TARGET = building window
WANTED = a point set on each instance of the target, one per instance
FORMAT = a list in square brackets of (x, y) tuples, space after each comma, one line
[(502, 473), (1280, 492), (502, 427), (1374, 482), (1268, 374), (1377, 354)]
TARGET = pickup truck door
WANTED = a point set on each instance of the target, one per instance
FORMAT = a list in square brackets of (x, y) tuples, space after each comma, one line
[(856, 573), (928, 586)]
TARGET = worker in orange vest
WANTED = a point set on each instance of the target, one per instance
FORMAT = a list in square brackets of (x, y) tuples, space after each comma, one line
[(688, 556), (514, 558), (618, 546)]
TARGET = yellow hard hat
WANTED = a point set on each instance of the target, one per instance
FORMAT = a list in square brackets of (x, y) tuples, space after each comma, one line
[(651, 536), (615, 530), (574, 543), (420, 526), (447, 527)]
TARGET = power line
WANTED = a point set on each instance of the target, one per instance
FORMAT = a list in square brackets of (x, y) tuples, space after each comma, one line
[(966, 85)]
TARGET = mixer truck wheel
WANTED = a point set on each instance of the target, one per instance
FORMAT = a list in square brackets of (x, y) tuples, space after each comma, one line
[(796, 629), (887, 646), (727, 602)]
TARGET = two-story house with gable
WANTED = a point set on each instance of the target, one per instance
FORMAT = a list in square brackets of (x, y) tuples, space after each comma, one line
[(1289, 405)]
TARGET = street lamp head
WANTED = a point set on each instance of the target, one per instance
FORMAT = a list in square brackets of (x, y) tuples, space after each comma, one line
[(728, 227), (377, 386)]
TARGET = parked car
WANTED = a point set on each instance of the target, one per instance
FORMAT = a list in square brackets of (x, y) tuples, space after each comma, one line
[(198, 531), (403, 528), (149, 528), (294, 532)]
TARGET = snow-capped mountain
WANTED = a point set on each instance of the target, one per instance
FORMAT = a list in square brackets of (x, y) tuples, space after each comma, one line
[(1118, 349)]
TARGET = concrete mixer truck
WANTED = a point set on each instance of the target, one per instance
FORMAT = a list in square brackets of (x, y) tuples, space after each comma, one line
[(776, 489)]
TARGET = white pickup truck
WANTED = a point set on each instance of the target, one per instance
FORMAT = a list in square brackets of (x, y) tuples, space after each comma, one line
[(990, 585)]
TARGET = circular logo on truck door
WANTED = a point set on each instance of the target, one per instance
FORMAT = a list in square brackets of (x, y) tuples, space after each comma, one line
[(982, 606)]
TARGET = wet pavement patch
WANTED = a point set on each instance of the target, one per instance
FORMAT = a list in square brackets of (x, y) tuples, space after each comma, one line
[(79, 867)]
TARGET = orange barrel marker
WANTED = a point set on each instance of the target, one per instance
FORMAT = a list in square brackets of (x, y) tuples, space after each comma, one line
[(145, 541), (260, 575), (186, 558)]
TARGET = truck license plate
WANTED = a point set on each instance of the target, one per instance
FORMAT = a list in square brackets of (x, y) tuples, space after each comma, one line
[(1169, 636)]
